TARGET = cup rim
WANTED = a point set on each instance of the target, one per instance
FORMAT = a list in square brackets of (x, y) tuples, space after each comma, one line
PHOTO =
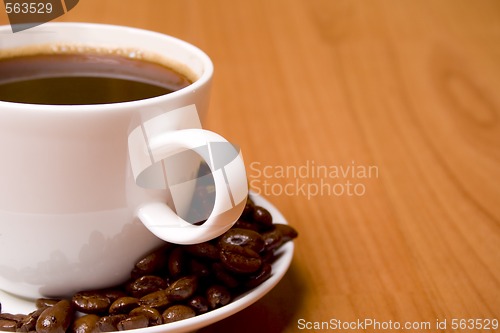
[(202, 80)]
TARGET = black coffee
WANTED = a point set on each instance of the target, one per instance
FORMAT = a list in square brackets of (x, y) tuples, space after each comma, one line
[(72, 79)]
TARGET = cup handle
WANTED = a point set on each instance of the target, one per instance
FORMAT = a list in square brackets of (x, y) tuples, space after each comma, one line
[(231, 188)]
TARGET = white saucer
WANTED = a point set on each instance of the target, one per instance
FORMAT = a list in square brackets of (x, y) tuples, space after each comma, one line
[(12, 304)]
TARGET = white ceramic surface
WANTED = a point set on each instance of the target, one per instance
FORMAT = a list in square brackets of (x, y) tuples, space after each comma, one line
[(280, 266), (70, 207)]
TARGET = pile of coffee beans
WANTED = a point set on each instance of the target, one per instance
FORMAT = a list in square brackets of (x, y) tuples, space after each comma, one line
[(172, 283)]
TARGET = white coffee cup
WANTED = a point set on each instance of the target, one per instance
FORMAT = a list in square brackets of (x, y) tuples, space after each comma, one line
[(85, 190)]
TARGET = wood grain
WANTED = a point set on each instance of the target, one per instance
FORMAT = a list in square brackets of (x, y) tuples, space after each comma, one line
[(407, 87)]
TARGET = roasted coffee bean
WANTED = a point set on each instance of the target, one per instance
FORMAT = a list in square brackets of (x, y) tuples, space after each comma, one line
[(182, 288), (257, 278), (91, 301), (199, 304), (132, 323), (240, 259), (176, 313), (262, 217), (123, 305), (85, 324), (112, 293), (153, 315), (55, 319), (158, 299), (204, 250), (225, 277), (267, 256), (218, 296), (152, 263), (15, 317), (247, 213), (8, 325), (198, 268), (110, 323), (18, 318), (28, 324), (246, 225), (146, 284), (242, 237), (287, 232), (177, 262), (273, 239), (10, 322), (45, 302)]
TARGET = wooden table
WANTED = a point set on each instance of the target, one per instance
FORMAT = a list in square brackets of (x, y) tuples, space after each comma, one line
[(389, 114)]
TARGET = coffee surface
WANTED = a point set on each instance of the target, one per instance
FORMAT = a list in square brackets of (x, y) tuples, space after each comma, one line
[(80, 79)]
